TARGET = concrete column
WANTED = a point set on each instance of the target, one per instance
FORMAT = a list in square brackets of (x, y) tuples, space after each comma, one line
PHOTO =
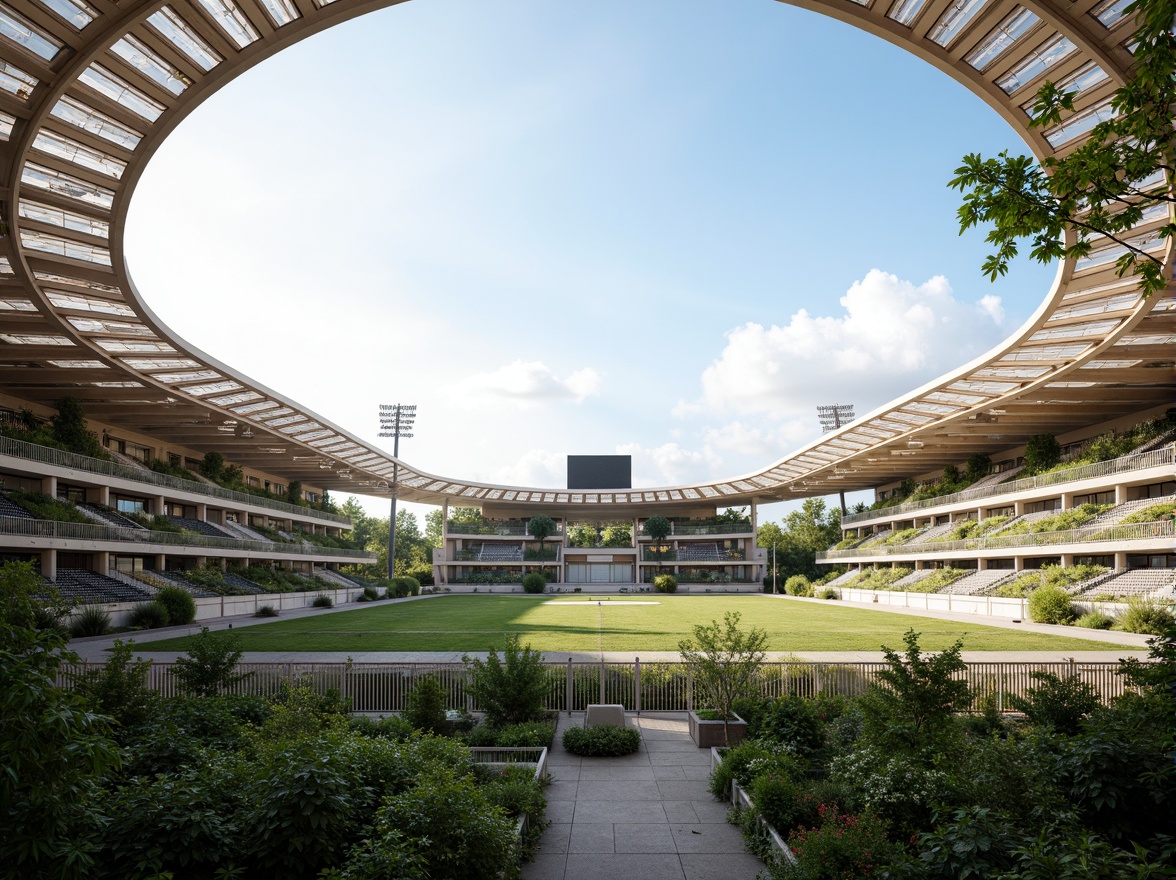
[(981, 564), (201, 561), (49, 564), (160, 505), (1018, 563), (202, 512), (1121, 560), (1067, 502), (979, 514), (49, 486), (161, 562), (102, 561), (1120, 494), (1067, 560), (101, 496), (1018, 508)]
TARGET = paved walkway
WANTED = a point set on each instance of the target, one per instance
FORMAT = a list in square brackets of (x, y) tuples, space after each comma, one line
[(647, 815)]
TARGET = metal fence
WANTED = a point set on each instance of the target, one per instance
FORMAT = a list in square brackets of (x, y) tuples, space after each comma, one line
[(649, 687)]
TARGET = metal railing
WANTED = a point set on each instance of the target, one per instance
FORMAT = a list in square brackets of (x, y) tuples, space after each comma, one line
[(706, 528), (546, 554), (488, 527), (1117, 533), (41, 528), (60, 458), (1126, 464), (649, 554), (649, 687)]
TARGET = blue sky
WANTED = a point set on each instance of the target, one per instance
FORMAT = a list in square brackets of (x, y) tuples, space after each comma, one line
[(662, 229)]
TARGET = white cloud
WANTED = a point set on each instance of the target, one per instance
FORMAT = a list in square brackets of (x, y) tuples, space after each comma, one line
[(525, 383), (892, 336), (669, 464), (535, 467), (760, 442)]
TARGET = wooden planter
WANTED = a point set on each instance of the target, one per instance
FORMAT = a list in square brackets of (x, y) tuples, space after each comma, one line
[(710, 733)]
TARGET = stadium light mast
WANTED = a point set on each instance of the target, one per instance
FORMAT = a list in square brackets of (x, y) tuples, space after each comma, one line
[(832, 417), (396, 421)]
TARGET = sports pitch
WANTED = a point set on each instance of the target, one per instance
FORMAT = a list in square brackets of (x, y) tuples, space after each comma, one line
[(643, 622)]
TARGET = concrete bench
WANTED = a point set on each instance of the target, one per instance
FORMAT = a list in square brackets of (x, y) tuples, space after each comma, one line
[(599, 714)]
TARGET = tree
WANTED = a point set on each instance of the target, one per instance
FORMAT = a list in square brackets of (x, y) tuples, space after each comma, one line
[(1103, 187), (510, 690), (212, 466), (804, 533), (541, 528), (434, 527), (69, 428), (724, 660), (294, 492), (658, 529), (1042, 451), (210, 667)]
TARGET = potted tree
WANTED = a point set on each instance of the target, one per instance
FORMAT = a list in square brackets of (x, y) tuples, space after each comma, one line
[(722, 659)]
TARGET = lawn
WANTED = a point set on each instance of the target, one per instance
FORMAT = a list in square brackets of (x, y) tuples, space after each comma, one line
[(477, 623)]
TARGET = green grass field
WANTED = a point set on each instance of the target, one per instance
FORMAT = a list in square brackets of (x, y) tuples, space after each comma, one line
[(477, 623)]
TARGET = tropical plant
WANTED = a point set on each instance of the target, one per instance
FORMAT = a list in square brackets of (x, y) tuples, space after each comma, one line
[(724, 660), (91, 620)]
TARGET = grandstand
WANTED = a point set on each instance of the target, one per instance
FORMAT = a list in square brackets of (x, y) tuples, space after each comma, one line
[(79, 122)]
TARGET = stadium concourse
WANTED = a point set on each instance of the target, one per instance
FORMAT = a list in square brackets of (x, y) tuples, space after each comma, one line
[(201, 469)]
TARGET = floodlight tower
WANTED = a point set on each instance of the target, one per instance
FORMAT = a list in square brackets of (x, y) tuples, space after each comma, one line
[(832, 417), (396, 421)]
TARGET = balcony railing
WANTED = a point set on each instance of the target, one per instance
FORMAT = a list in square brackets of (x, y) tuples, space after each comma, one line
[(546, 554), (649, 554), (1126, 464), (493, 527), (60, 458), (706, 528), (1117, 533), (39, 528)]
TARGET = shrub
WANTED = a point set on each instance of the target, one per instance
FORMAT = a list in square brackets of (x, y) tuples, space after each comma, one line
[(793, 723), (534, 582), (841, 845), (468, 838), (266, 611), (783, 802), (148, 615), (322, 600), (1095, 620), (737, 765), (532, 734), (1060, 703), (665, 583), (829, 593), (510, 690), (181, 607), (1144, 615), (90, 621), (118, 687), (603, 741), (209, 668), (1049, 604), (426, 705), (1042, 452), (370, 594), (798, 585)]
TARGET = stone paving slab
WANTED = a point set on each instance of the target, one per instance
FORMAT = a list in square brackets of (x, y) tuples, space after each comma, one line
[(647, 816)]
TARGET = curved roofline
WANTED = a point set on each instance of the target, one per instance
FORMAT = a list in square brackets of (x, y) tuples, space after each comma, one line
[(1028, 384)]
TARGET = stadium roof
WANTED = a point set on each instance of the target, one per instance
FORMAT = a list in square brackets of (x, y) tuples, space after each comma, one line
[(89, 89)]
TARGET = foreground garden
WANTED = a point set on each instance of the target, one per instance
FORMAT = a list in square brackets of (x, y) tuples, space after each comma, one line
[(902, 783), (109, 780)]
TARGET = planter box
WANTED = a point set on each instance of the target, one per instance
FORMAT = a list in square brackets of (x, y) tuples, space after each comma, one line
[(710, 733)]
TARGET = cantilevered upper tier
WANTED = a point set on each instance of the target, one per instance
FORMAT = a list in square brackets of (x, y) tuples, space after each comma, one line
[(89, 89)]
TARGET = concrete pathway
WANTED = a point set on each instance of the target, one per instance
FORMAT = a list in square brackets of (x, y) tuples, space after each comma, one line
[(647, 815)]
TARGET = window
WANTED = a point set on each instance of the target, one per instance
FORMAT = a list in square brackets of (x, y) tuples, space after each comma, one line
[(124, 504)]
